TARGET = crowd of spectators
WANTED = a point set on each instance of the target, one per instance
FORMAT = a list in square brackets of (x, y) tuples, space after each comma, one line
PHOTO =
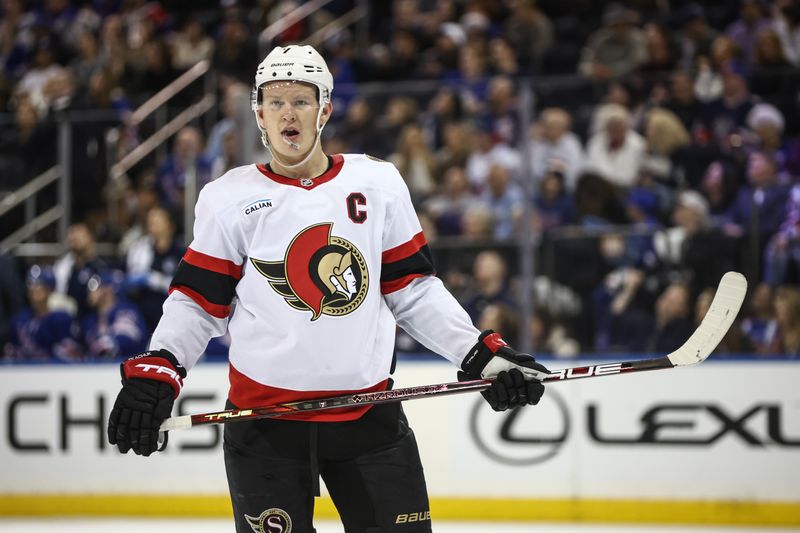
[(664, 150)]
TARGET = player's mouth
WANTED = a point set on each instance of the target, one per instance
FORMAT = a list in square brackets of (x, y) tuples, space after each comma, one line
[(291, 135)]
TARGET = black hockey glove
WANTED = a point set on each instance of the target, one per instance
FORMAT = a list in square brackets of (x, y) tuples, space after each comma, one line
[(517, 376), (150, 383)]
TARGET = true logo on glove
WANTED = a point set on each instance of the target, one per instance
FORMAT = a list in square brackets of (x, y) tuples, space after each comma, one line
[(161, 370)]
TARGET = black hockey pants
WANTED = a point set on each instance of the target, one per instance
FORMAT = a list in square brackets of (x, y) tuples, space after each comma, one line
[(370, 466)]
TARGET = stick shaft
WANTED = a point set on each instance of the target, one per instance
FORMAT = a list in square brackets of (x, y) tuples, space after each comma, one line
[(721, 314)]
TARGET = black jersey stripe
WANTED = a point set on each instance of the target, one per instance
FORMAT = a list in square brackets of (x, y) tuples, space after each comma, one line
[(214, 287), (420, 262)]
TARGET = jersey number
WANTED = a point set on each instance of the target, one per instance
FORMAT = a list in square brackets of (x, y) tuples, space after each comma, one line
[(355, 213)]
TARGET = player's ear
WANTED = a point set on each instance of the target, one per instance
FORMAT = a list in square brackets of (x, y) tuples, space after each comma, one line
[(327, 110)]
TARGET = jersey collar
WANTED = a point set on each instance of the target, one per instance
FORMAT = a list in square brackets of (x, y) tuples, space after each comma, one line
[(305, 183)]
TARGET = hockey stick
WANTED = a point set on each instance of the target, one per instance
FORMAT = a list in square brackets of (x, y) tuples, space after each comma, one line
[(719, 318)]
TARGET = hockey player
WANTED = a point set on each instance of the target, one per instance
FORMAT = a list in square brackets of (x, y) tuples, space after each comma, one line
[(310, 262)]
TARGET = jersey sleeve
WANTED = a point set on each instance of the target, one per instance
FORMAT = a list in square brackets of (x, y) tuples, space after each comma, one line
[(419, 301), (201, 293)]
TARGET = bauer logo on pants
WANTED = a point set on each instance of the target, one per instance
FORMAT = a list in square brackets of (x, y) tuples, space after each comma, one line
[(271, 521)]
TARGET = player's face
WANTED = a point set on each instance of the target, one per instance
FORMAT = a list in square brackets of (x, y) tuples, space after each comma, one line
[(289, 114)]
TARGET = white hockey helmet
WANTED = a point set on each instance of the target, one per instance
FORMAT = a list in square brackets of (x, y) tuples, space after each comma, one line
[(294, 63)]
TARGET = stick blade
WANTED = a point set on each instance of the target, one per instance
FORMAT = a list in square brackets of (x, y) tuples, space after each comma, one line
[(718, 320)]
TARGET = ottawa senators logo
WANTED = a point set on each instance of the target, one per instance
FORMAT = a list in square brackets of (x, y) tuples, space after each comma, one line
[(321, 273)]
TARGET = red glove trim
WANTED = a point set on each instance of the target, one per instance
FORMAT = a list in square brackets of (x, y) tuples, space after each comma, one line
[(494, 342), (156, 368)]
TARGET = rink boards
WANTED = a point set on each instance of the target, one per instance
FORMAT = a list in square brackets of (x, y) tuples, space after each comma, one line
[(718, 443)]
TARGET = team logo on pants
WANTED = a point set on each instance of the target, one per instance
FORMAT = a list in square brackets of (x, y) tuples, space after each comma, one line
[(321, 273), (271, 521)]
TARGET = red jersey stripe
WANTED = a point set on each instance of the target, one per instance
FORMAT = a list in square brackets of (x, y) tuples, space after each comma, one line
[(215, 310), (214, 264), (407, 249), (246, 393), (388, 287)]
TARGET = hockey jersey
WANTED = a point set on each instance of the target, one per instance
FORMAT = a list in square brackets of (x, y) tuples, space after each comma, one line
[(311, 277)]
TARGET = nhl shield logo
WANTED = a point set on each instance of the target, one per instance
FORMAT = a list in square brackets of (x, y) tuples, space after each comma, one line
[(321, 273), (271, 521)]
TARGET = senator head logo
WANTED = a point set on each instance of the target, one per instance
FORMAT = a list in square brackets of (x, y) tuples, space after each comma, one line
[(320, 273)]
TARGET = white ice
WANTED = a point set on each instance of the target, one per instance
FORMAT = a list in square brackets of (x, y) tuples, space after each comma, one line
[(67, 525)]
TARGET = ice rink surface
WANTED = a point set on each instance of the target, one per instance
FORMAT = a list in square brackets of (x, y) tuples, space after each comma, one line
[(68, 525)]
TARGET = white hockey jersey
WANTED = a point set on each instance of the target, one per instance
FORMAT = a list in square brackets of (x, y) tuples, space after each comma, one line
[(311, 277)]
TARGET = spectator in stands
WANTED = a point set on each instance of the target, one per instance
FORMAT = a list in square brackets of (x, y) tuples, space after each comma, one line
[(500, 112), (477, 223), (416, 163), (89, 59), (552, 143), (12, 294), (726, 115), (506, 200), (191, 45), (234, 51), (457, 146), (39, 332), (113, 45), (695, 36), (445, 107), (185, 162), (772, 76), (114, 328), (151, 264), (710, 76), (616, 151), (664, 134), (758, 324), (470, 81), (744, 30), (682, 100), (760, 206), (786, 21), (661, 56), (673, 318), (400, 111), (554, 205), (786, 339), (767, 123), (622, 316), (156, 72), (616, 49), (356, 128), (73, 270), (551, 336), (235, 96), (448, 207), (501, 318), (490, 283), (782, 262), (530, 32), (488, 151), (597, 202), (503, 58), (28, 149), (693, 248), (720, 186), (43, 68)]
